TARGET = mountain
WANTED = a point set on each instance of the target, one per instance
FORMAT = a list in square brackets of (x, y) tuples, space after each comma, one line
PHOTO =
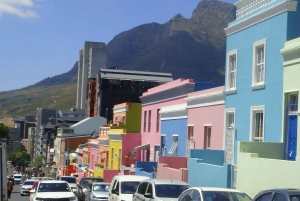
[(187, 48)]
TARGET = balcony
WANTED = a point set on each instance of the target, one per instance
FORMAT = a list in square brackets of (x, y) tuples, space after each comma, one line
[(245, 7)]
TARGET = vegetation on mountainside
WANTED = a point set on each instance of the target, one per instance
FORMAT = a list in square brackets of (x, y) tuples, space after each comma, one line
[(56, 92)]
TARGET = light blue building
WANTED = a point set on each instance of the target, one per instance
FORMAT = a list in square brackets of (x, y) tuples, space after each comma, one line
[(173, 130), (254, 71)]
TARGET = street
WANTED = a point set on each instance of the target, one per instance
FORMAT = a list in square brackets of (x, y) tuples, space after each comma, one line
[(16, 196)]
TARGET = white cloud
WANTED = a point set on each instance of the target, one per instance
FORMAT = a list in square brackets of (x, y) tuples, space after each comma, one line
[(21, 8)]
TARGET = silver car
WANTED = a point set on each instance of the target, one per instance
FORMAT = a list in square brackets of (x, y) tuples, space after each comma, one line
[(98, 192), (159, 190)]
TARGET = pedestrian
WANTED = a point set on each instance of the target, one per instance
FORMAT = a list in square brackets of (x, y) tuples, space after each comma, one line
[(9, 188)]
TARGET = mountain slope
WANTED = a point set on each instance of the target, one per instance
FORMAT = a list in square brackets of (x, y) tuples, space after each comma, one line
[(187, 48)]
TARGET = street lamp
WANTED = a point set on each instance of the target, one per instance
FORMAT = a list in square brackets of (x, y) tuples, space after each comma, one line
[(68, 149)]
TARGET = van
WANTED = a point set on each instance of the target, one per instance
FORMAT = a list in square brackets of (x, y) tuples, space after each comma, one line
[(122, 187)]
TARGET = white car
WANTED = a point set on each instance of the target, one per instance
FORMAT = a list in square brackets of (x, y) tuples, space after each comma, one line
[(122, 187), (18, 178), (213, 194), (72, 181), (53, 189), (159, 190), (26, 187)]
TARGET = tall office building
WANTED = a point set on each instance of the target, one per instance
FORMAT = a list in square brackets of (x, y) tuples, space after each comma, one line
[(92, 57)]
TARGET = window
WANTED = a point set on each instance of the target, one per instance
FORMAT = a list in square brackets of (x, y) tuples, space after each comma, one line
[(257, 124), (229, 135), (145, 120), (279, 197), (174, 148), (120, 158), (258, 72), (190, 133), (142, 188), (157, 120), (231, 71), (163, 145), (207, 137), (112, 158), (149, 121)]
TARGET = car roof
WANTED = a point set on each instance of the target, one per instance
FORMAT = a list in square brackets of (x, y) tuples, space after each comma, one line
[(67, 176), (287, 191), (166, 181), (216, 189), (30, 180), (52, 181), (130, 178)]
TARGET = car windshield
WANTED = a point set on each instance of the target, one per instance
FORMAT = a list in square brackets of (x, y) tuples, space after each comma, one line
[(225, 196), (69, 179), (129, 187), (28, 182), (18, 177), (53, 187), (101, 187), (169, 190)]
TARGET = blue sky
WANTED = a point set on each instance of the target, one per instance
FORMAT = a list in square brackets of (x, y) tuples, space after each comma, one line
[(41, 38)]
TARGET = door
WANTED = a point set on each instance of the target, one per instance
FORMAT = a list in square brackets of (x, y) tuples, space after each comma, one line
[(291, 126), (292, 137)]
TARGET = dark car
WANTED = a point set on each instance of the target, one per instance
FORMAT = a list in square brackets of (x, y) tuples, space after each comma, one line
[(287, 194), (85, 184)]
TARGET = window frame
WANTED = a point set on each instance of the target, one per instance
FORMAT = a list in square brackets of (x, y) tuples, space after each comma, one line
[(145, 121), (229, 73), (253, 111), (258, 84), (149, 121), (207, 138)]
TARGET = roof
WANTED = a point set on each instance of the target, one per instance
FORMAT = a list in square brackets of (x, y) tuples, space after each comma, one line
[(135, 75), (167, 181)]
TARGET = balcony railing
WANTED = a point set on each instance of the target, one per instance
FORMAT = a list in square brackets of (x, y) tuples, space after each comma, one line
[(245, 7)]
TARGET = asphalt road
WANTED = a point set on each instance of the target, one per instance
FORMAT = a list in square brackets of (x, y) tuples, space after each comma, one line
[(16, 196)]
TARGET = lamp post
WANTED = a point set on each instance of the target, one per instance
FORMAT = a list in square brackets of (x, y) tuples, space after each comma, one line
[(68, 149)]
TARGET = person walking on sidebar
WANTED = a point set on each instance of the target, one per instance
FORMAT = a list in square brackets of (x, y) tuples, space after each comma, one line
[(9, 188)]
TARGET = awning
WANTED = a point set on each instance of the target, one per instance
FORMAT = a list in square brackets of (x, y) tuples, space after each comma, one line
[(142, 147)]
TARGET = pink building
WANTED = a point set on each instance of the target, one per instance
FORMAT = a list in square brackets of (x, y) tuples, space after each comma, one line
[(206, 119), (204, 130), (153, 100)]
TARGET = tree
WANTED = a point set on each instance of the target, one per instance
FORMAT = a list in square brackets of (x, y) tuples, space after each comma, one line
[(4, 131), (19, 158)]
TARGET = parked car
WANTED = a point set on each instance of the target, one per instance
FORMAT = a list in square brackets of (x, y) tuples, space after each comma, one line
[(278, 195), (98, 192), (85, 184), (26, 186), (213, 194), (122, 187), (53, 190), (159, 189), (19, 178), (72, 181)]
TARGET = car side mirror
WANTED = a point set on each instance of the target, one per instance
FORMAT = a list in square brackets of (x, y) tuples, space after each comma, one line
[(74, 190), (20, 184), (115, 191), (148, 195)]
